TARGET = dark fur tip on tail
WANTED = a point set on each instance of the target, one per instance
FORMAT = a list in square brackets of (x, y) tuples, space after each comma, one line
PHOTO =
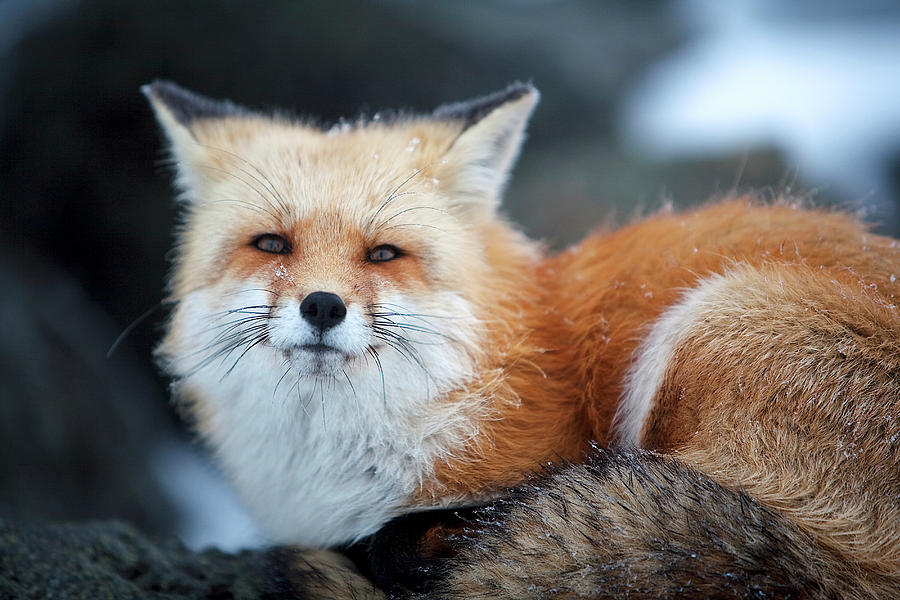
[(472, 111), (187, 106), (410, 552), (314, 575)]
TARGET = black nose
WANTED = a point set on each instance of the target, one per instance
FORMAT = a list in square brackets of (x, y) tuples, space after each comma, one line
[(323, 310)]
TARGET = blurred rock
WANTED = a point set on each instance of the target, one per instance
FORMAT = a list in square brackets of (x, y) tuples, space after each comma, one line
[(575, 188), (76, 426), (113, 560)]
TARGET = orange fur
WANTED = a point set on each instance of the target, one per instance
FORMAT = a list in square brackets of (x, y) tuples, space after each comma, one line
[(581, 314)]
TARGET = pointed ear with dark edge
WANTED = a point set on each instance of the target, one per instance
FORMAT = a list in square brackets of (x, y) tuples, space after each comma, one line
[(478, 162), (178, 111)]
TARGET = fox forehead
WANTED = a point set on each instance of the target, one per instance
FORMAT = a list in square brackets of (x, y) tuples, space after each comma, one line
[(300, 169)]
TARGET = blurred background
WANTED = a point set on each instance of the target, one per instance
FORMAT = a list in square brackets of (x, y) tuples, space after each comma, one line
[(644, 103)]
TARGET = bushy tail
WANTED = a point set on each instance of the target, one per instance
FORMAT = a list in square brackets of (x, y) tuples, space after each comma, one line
[(634, 524)]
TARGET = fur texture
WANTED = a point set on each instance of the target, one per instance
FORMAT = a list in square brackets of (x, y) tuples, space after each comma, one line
[(636, 525), (317, 574), (756, 346)]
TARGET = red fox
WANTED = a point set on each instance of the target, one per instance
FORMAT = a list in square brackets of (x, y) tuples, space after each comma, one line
[(359, 334)]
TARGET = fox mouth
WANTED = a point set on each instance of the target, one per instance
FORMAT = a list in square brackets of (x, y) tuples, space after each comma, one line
[(316, 352), (317, 358), (320, 348)]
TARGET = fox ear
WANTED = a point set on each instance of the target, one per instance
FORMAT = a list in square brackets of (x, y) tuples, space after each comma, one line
[(179, 112), (479, 161)]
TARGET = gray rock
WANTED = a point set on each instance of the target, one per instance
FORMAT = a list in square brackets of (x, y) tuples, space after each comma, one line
[(76, 427), (112, 560)]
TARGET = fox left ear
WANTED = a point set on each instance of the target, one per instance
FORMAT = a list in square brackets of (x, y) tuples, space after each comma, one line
[(179, 112), (478, 162)]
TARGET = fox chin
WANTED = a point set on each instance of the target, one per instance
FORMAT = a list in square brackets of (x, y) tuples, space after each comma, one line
[(360, 335)]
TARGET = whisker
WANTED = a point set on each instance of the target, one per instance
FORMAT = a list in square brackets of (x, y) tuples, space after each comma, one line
[(388, 310), (391, 197), (275, 191), (412, 208), (406, 312), (143, 317), (300, 397), (403, 347), (244, 308), (322, 396), (257, 341), (352, 389), (230, 333), (267, 184), (374, 354), (381, 322), (280, 379), (222, 348), (408, 327), (406, 210), (224, 338), (387, 322), (411, 354), (312, 392), (253, 188), (251, 316), (415, 225), (229, 346), (248, 205), (248, 290), (232, 324)]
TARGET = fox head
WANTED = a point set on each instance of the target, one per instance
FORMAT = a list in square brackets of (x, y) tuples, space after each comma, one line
[(330, 289)]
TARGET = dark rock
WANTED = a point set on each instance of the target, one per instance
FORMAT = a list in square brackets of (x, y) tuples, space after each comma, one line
[(77, 428), (112, 560)]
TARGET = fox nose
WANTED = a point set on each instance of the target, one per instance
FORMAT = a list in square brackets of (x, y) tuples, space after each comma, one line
[(323, 310)]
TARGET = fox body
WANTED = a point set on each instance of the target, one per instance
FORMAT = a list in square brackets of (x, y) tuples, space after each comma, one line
[(358, 334)]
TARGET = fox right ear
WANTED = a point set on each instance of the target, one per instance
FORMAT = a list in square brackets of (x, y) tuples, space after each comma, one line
[(478, 163), (178, 112)]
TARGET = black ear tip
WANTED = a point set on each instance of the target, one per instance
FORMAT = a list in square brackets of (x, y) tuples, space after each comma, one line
[(187, 106), (167, 91), (517, 89), (472, 111)]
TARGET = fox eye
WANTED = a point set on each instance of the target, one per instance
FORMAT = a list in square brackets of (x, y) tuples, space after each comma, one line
[(275, 244), (383, 253)]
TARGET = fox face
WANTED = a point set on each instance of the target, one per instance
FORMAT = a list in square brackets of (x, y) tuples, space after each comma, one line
[(327, 279), (328, 296)]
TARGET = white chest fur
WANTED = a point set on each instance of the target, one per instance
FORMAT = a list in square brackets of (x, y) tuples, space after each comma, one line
[(326, 461)]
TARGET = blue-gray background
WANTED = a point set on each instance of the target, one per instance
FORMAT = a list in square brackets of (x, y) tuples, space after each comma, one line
[(643, 103)]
